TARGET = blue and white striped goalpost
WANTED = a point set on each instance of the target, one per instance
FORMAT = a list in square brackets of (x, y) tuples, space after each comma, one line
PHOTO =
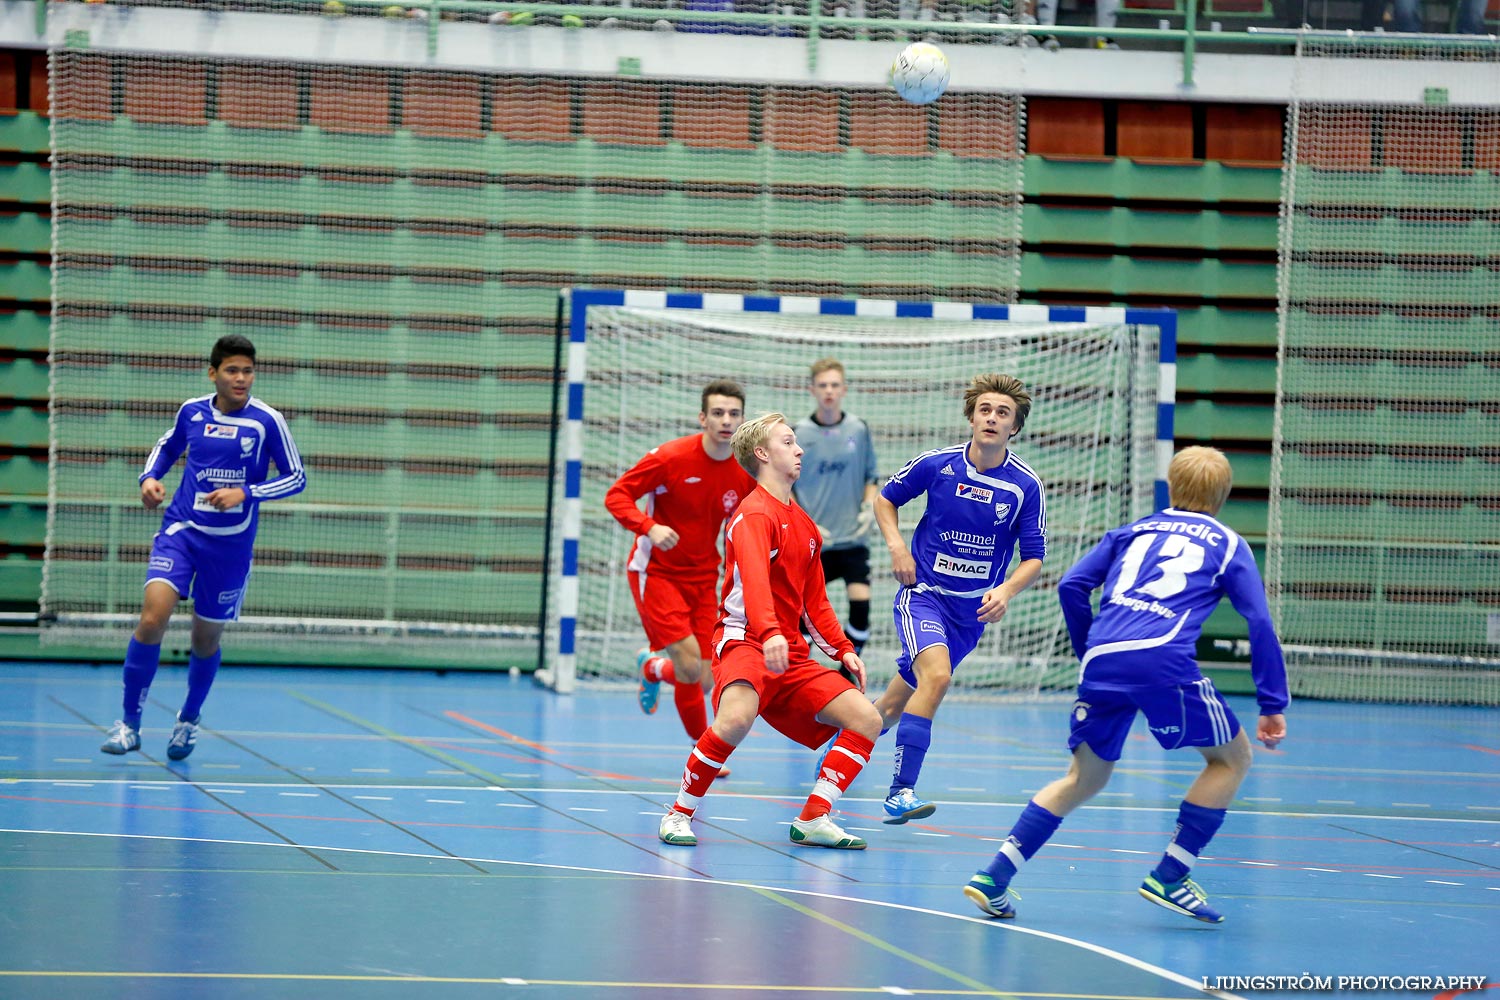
[(561, 674)]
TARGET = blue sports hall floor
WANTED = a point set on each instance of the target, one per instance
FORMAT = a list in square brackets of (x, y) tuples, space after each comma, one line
[(390, 834)]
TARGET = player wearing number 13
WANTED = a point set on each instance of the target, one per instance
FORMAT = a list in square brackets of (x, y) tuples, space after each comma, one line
[(1162, 576)]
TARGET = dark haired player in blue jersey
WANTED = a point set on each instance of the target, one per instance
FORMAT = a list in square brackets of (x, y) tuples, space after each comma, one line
[(982, 501), (1162, 577), (207, 533)]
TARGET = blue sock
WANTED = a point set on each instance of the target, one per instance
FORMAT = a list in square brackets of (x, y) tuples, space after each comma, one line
[(141, 662), (1035, 827), (201, 671), (1196, 826), (913, 737)]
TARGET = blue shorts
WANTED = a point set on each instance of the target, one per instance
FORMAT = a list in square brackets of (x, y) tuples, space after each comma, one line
[(218, 567), (1179, 715), (926, 618)]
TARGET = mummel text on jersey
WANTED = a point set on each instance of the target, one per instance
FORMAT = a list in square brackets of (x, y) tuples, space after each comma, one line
[(225, 450), (1163, 575), (974, 520)]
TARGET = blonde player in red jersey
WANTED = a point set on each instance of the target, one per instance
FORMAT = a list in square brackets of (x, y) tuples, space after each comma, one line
[(773, 591), (691, 486)]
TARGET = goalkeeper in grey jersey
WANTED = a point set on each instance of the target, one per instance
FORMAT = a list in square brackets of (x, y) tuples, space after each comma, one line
[(837, 489)]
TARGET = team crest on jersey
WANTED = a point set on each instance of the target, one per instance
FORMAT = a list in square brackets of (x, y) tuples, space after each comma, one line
[(1002, 511), (731, 501), (246, 444), (1080, 710), (980, 494), (220, 431)]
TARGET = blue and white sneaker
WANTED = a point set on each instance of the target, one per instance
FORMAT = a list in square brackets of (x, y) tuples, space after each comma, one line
[(992, 899), (184, 737), (121, 739), (905, 805), (1183, 896), (650, 690)]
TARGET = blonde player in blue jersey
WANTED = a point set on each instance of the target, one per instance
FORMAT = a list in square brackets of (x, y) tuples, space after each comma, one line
[(982, 503), (206, 536), (1162, 575)]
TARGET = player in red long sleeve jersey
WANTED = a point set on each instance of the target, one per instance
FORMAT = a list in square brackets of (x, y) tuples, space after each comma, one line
[(773, 590), (691, 485)]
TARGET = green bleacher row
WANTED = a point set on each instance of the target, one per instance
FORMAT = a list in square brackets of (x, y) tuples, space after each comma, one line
[(1413, 329), (1427, 623), (299, 591), (363, 158), (144, 283)]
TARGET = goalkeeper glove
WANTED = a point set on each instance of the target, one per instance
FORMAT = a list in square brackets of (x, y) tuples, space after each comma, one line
[(865, 521)]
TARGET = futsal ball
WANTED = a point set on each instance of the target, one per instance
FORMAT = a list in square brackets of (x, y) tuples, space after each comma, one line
[(920, 73)]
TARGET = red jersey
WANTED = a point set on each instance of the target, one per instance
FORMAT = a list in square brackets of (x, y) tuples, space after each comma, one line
[(688, 492), (773, 578)]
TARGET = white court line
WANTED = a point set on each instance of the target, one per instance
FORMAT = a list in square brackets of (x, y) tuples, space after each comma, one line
[(585, 809), (1433, 881), (370, 770), (222, 767), (447, 802), (1413, 805), (225, 791), (373, 798), (160, 787), (993, 926), (924, 833), (521, 805), (1331, 871), (1261, 864), (726, 794), (72, 784), (299, 795), (720, 819), (71, 760), (1373, 875)]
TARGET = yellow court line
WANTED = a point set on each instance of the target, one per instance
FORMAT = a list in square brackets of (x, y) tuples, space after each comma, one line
[(581, 983), (880, 943)]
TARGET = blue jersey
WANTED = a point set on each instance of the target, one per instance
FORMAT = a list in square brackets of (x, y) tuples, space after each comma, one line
[(223, 450), (973, 522), (1163, 576)]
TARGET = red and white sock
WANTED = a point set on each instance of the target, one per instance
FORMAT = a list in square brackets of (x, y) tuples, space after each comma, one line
[(702, 768), (659, 668), (846, 758)]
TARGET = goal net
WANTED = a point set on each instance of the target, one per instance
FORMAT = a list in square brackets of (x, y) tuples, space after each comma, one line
[(1383, 554), (1099, 431)]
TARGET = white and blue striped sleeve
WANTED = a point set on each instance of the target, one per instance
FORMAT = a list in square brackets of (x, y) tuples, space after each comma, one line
[(293, 479), (168, 449)]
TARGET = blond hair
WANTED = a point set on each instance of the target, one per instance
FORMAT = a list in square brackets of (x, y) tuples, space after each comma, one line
[(827, 365), (1004, 385), (1199, 479), (753, 434)]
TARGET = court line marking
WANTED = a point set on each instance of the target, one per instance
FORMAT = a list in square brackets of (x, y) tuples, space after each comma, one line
[(333, 787), (999, 927)]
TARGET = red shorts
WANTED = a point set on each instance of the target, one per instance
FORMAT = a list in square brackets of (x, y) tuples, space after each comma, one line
[(672, 610), (789, 701)]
